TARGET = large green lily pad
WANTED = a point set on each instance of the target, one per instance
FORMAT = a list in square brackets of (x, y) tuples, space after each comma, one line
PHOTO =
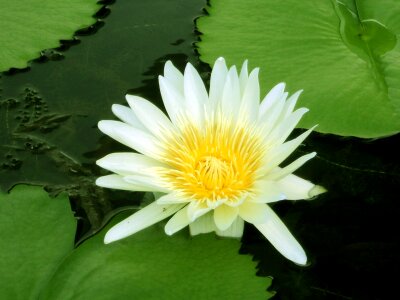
[(30, 26), (38, 261), (152, 265), (37, 232), (345, 55)]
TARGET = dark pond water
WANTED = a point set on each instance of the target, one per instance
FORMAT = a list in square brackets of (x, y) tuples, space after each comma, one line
[(48, 117)]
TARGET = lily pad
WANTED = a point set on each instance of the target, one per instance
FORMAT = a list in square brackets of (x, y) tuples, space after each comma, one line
[(38, 260), (37, 232), (345, 55), (30, 26), (152, 265)]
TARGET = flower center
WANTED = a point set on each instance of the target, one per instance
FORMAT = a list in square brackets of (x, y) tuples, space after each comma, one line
[(213, 172), (219, 161)]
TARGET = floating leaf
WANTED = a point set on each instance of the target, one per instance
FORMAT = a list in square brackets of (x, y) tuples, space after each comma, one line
[(30, 26), (152, 265), (345, 56), (37, 232)]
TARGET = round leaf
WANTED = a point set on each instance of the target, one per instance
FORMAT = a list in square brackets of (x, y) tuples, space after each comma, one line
[(345, 56), (29, 26), (152, 265), (37, 232)]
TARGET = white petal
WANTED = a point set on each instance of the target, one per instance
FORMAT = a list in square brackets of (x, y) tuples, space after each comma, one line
[(151, 181), (230, 102), (203, 224), (217, 82), (134, 138), (115, 181), (234, 231), (243, 77), (278, 154), (127, 115), (126, 163), (270, 119), (267, 191), (177, 222), (142, 219), (158, 195), (290, 104), (150, 115), (285, 128), (278, 173), (272, 98), (196, 209), (296, 188), (172, 98), (253, 212), (224, 216), (236, 202), (251, 97), (172, 198), (280, 237), (173, 75), (268, 198), (196, 95), (213, 204)]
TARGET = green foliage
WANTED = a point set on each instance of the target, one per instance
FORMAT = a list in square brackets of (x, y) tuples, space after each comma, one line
[(345, 55), (36, 250), (37, 232), (30, 26), (152, 265)]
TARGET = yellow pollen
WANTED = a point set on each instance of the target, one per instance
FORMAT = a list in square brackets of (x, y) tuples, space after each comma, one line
[(213, 171), (219, 161)]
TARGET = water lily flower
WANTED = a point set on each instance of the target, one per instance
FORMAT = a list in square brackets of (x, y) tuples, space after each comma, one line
[(214, 160)]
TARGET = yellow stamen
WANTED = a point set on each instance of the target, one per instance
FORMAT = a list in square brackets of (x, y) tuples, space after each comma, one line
[(216, 162)]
